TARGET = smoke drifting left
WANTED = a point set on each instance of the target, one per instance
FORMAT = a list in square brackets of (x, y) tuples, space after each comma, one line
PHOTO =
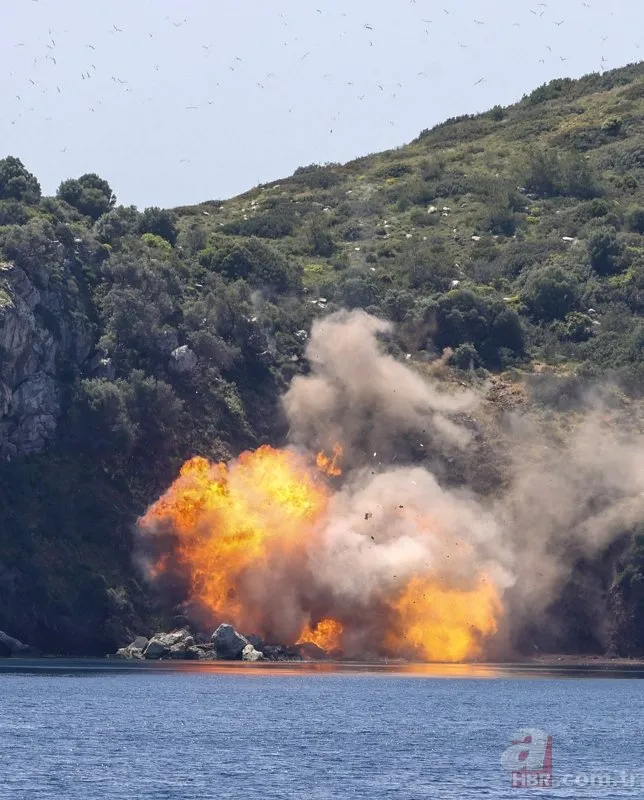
[(388, 558)]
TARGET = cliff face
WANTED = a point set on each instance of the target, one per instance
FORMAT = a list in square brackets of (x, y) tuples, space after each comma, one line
[(36, 337)]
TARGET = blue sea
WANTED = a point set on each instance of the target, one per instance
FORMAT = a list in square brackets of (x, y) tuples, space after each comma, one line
[(90, 730)]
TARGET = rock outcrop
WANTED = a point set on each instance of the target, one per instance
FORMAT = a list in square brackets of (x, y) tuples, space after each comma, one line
[(14, 647), (37, 333), (182, 360)]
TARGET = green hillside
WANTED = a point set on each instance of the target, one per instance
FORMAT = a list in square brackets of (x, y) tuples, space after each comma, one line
[(514, 239)]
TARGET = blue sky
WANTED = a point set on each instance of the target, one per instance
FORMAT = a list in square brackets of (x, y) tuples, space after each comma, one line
[(176, 103)]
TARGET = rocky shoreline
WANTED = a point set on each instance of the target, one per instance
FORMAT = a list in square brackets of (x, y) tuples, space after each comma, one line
[(225, 644)]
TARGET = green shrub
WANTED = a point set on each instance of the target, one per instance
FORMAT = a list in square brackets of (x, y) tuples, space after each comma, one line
[(465, 357), (550, 292), (551, 174), (117, 223), (320, 240), (274, 223), (157, 242), (159, 222), (577, 327), (604, 251), (89, 194)]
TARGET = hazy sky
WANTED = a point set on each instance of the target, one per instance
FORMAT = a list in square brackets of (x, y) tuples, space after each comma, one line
[(203, 99)]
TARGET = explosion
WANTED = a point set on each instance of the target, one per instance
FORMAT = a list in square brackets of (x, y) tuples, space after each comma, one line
[(239, 528)]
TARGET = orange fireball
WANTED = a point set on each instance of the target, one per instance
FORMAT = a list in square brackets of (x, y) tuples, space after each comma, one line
[(243, 534)]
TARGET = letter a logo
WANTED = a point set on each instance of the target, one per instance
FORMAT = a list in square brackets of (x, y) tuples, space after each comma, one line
[(529, 758)]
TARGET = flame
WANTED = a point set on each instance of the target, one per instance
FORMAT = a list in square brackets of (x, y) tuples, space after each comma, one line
[(434, 622), (327, 635), (235, 527), (229, 520), (330, 465)]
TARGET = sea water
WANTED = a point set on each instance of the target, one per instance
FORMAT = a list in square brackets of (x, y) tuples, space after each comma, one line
[(90, 730)]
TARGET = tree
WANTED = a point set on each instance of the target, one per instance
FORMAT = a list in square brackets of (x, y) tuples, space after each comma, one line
[(465, 357), (466, 317), (16, 182), (159, 222), (604, 251), (117, 223), (550, 292), (254, 261), (89, 194)]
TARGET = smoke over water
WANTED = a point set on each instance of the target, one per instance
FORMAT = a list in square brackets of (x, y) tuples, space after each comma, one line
[(354, 538)]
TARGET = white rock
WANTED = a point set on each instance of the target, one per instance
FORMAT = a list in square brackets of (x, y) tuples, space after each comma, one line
[(250, 654), (183, 360)]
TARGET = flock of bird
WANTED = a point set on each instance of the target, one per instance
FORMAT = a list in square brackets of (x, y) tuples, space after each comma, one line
[(48, 61)]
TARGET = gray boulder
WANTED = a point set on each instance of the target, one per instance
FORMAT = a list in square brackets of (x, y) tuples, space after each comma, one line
[(134, 649), (198, 653), (228, 643), (250, 654), (129, 653), (174, 644), (183, 360), (15, 646)]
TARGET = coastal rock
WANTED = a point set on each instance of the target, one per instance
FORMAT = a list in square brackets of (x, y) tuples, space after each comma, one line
[(129, 653), (278, 652), (174, 644), (228, 643), (311, 652), (198, 652), (181, 649), (15, 646), (250, 654), (134, 649)]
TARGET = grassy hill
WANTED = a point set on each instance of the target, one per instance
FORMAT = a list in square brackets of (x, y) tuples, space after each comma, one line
[(512, 239), (537, 209)]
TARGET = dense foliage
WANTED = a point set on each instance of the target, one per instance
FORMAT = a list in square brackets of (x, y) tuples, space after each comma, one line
[(512, 237)]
